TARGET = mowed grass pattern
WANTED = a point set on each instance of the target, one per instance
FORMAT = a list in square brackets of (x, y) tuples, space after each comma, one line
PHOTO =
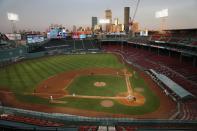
[(24, 76), (84, 85)]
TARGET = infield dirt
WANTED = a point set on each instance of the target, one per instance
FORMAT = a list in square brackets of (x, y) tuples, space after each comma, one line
[(56, 86)]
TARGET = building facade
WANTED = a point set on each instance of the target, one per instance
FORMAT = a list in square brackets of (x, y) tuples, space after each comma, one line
[(94, 22), (126, 19), (108, 15)]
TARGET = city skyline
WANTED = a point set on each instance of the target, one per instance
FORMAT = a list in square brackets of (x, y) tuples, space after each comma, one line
[(38, 15)]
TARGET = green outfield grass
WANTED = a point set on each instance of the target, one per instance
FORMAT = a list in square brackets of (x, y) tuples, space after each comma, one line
[(25, 76), (84, 85)]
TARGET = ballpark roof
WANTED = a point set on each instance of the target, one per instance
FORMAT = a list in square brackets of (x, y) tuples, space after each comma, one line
[(177, 89)]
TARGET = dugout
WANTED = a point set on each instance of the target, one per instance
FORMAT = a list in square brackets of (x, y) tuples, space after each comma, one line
[(175, 88)]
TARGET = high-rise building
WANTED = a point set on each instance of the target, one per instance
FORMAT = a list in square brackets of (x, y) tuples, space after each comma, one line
[(108, 15), (126, 18), (117, 28), (80, 28), (55, 26), (135, 27), (98, 28), (116, 21), (74, 28), (94, 22)]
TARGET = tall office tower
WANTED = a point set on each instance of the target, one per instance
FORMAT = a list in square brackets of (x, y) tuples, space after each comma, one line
[(135, 27), (126, 19), (94, 22), (108, 15), (74, 28), (116, 21)]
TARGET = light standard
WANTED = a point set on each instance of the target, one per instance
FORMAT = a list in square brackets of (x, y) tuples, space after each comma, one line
[(13, 18), (162, 15)]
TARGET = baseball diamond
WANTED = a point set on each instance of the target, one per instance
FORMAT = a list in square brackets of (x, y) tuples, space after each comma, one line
[(98, 65), (70, 79)]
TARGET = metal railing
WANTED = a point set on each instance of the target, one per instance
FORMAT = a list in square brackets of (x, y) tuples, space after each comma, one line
[(65, 118)]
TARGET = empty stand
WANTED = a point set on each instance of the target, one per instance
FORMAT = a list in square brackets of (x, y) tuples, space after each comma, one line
[(29, 120), (88, 128), (169, 66)]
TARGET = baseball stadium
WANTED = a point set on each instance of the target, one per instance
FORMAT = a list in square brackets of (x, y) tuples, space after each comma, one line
[(99, 81)]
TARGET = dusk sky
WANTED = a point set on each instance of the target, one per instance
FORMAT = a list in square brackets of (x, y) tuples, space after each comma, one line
[(39, 14)]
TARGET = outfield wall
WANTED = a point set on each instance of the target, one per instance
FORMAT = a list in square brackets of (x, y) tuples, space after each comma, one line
[(8, 54), (35, 55)]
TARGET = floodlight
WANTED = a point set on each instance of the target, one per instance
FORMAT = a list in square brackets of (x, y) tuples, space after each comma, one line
[(13, 17), (165, 12), (162, 13)]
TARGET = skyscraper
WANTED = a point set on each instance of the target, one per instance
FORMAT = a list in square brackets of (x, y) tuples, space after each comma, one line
[(108, 15), (116, 21), (126, 18), (74, 28), (135, 27), (94, 22)]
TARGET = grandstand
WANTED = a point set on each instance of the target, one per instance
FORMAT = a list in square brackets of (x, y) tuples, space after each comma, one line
[(111, 76), (177, 62), (172, 57), (155, 57), (31, 120), (170, 61), (5, 43)]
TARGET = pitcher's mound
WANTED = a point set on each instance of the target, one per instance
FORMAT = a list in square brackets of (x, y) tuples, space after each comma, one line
[(99, 84), (107, 103)]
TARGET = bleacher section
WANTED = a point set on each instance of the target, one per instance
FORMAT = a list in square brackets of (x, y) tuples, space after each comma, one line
[(188, 111), (28, 120), (141, 56), (145, 59), (173, 39), (66, 45), (5, 43), (162, 64), (33, 120), (155, 127), (88, 128), (184, 63)]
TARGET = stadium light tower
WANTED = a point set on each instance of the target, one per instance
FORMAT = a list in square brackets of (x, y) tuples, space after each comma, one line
[(12, 17), (162, 15)]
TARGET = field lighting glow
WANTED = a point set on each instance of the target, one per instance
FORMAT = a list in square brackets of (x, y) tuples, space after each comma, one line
[(162, 13), (13, 17), (104, 21)]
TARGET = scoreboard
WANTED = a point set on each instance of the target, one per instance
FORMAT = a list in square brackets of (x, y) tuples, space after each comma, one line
[(57, 33), (31, 39)]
